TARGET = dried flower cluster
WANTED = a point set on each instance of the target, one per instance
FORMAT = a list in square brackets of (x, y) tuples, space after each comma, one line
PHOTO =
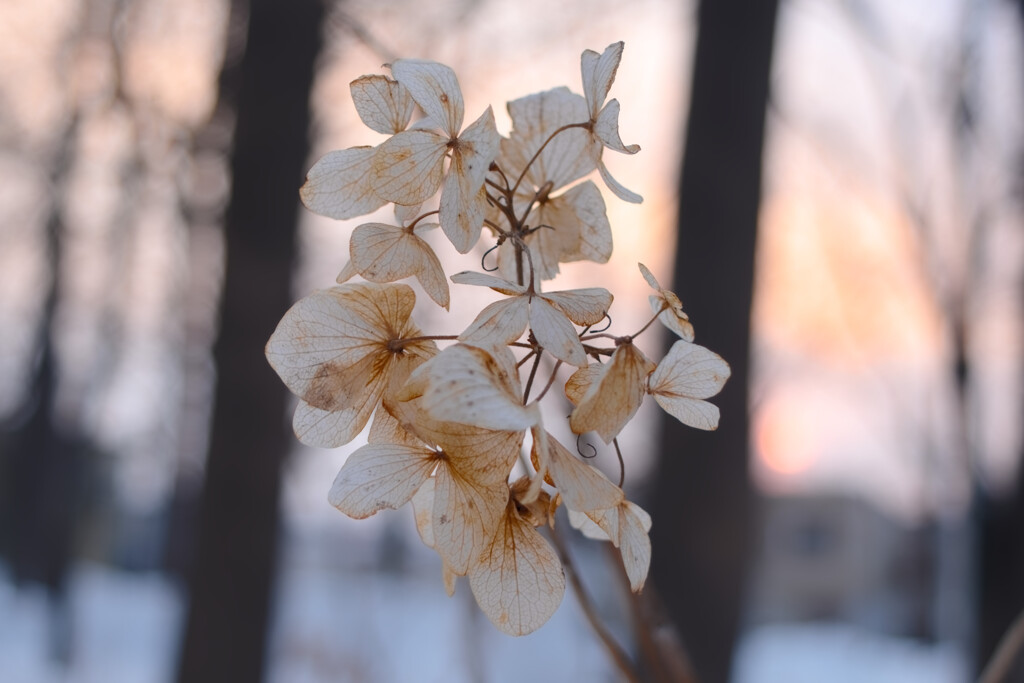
[(448, 426)]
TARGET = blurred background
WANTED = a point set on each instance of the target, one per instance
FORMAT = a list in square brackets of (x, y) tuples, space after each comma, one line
[(834, 188)]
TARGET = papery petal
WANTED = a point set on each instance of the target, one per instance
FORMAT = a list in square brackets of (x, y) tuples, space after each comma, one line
[(409, 166), (610, 403), (331, 350), (518, 582), (470, 277), (649, 277), (598, 74), (476, 148), (534, 119), (466, 384), (671, 316), (329, 428), (466, 513), (555, 333), (470, 483), (616, 187), (423, 511), (690, 370), (579, 383), (586, 526), (501, 322), (690, 411), (667, 307), (347, 273), (582, 306), (687, 374), (435, 88), (582, 218), (463, 205), (576, 229), (340, 185), (386, 428), (385, 253), (379, 476), (544, 246), (405, 214), (383, 104), (634, 543), (606, 129), (583, 488), (318, 337)]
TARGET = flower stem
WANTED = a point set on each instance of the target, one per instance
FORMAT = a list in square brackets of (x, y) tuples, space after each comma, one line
[(618, 655)]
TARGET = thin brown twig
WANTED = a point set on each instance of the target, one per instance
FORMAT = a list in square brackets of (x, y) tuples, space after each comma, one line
[(664, 656), (1007, 652), (618, 655)]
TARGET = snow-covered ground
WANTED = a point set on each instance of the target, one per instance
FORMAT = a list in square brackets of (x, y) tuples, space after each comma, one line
[(841, 653), (125, 629), (386, 628)]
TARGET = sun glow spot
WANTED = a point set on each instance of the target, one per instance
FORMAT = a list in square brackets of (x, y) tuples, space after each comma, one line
[(785, 437)]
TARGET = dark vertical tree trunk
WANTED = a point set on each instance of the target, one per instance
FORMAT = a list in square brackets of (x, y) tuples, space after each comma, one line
[(1001, 542), (702, 496), (44, 472), (230, 587)]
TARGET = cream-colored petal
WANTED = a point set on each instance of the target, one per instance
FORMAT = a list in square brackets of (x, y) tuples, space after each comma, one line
[(582, 306), (408, 167), (467, 385), (463, 203), (501, 322), (649, 277), (582, 218), (379, 476), (611, 402), (606, 129), (555, 333), (689, 370), (347, 273), (671, 316), (616, 187), (534, 119), (341, 184), (406, 214), (690, 411), (435, 88), (469, 277), (583, 488), (579, 382), (385, 253), (466, 514), (599, 74), (518, 582), (582, 522), (320, 338), (331, 350), (634, 543), (476, 148), (423, 511), (383, 104), (386, 428), (329, 428), (462, 211)]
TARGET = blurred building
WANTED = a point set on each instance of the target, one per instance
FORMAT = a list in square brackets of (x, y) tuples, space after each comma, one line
[(834, 557)]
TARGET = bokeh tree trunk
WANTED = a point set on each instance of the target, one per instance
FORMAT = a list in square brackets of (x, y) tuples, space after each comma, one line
[(231, 582), (1001, 520), (703, 503)]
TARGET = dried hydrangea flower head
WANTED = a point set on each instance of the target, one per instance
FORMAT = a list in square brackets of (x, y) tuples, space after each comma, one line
[(449, 425)]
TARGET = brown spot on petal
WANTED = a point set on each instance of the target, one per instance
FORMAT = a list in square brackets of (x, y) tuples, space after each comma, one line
[(325, 389)]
